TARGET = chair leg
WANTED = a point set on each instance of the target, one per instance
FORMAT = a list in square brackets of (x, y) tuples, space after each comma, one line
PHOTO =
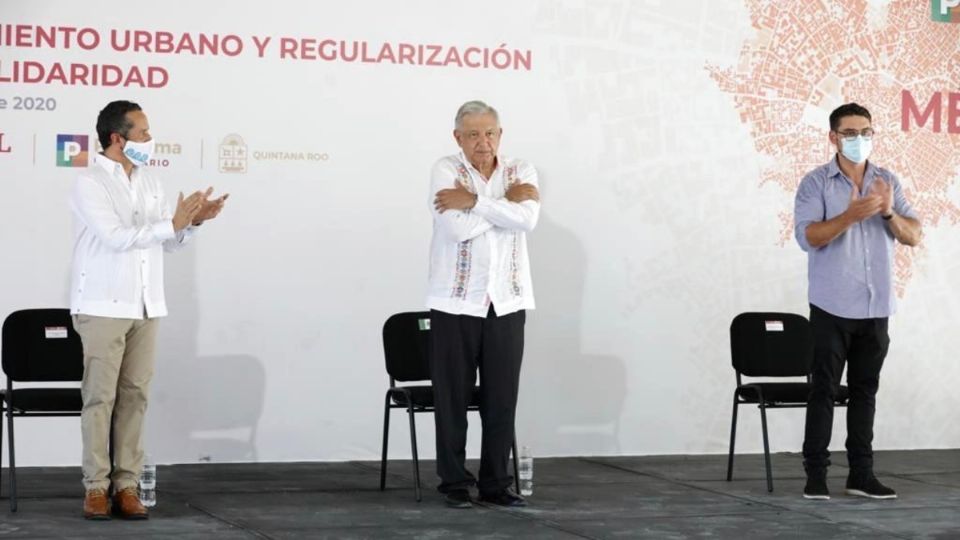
[(766, 446), (2, 414), (413, 447), (386, 435), (516, 465), (13, 463), (733, 438)]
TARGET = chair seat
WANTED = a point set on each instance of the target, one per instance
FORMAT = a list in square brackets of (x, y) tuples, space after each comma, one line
[(45, 399), (422, 396), (784, 393)]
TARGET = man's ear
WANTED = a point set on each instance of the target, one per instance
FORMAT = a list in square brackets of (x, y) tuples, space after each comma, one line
[(115, 138)]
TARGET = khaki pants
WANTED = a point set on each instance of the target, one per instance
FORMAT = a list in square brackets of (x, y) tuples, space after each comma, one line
[(118, 359)]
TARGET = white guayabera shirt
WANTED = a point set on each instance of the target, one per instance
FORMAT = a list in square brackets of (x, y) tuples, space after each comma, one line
[(479, 256), (122, 227)]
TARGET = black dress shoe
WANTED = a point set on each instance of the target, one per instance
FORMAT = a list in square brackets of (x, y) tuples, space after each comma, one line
[(503, 498), (867, 485), (816, 488), (458, 498)]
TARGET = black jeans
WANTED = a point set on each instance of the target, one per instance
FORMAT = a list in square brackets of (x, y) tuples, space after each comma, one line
[(862, 344), (459, 345)]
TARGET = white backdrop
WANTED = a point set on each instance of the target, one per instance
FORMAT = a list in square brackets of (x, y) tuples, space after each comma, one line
[(659, 223)]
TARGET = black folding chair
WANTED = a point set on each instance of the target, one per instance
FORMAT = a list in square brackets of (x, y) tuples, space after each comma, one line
[(406, 346), (39, 345), (771, 345)]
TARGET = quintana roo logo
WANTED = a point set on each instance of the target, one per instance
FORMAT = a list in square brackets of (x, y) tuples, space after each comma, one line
[(233, 154)]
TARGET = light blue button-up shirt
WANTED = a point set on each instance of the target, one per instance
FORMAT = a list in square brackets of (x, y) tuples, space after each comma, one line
[(852, 276)]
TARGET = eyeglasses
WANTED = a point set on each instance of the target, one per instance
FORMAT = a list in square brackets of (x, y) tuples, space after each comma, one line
[(474, 136), (851, 134)]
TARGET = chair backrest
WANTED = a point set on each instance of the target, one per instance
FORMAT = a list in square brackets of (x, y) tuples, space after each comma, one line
[(406, 346), (41, 345), (771, 345)]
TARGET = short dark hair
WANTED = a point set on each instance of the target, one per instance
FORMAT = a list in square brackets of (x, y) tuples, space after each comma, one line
[(843, 111), (113, 119)]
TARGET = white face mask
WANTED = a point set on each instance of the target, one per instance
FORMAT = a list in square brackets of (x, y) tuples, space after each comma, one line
[(139, 153), (856, 150)]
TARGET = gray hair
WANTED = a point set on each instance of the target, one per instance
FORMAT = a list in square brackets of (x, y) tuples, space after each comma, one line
[(474, 107)]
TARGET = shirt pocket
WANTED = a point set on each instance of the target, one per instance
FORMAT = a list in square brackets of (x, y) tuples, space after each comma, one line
[(151, 202), (835, 202), (103, 276)]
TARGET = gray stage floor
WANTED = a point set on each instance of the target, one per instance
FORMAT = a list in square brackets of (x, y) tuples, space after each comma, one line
[(663, 497)]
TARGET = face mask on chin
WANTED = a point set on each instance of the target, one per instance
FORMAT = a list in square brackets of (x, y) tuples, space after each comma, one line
[(139, 153)]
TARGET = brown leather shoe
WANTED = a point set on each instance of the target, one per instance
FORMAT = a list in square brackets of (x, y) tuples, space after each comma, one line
[(126, 504), (96, 505)]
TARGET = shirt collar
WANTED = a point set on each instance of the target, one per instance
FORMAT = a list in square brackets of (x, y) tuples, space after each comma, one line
[(468, 165), (114, 167), (833, 168), (110, 165)]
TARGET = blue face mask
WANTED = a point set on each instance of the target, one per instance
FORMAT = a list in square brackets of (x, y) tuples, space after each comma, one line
[(856, 150)]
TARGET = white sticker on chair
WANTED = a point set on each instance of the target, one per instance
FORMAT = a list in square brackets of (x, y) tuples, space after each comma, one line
[(774, 326), (424, 324), (55, 332)]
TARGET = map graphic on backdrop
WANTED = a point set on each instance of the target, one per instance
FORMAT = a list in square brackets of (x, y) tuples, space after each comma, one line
[(809, 57)]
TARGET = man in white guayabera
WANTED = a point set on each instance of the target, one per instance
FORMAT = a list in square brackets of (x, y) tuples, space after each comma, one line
[(483, 204), (123, 225)]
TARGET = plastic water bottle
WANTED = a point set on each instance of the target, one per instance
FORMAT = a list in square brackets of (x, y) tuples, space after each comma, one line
[(148, 482), (526, 472)]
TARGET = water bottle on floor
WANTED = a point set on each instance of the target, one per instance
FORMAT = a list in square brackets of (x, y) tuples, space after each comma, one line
[(148, 482), (526, 472)]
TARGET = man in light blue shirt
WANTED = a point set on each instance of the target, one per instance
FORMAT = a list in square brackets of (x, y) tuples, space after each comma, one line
[(848, 214)]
